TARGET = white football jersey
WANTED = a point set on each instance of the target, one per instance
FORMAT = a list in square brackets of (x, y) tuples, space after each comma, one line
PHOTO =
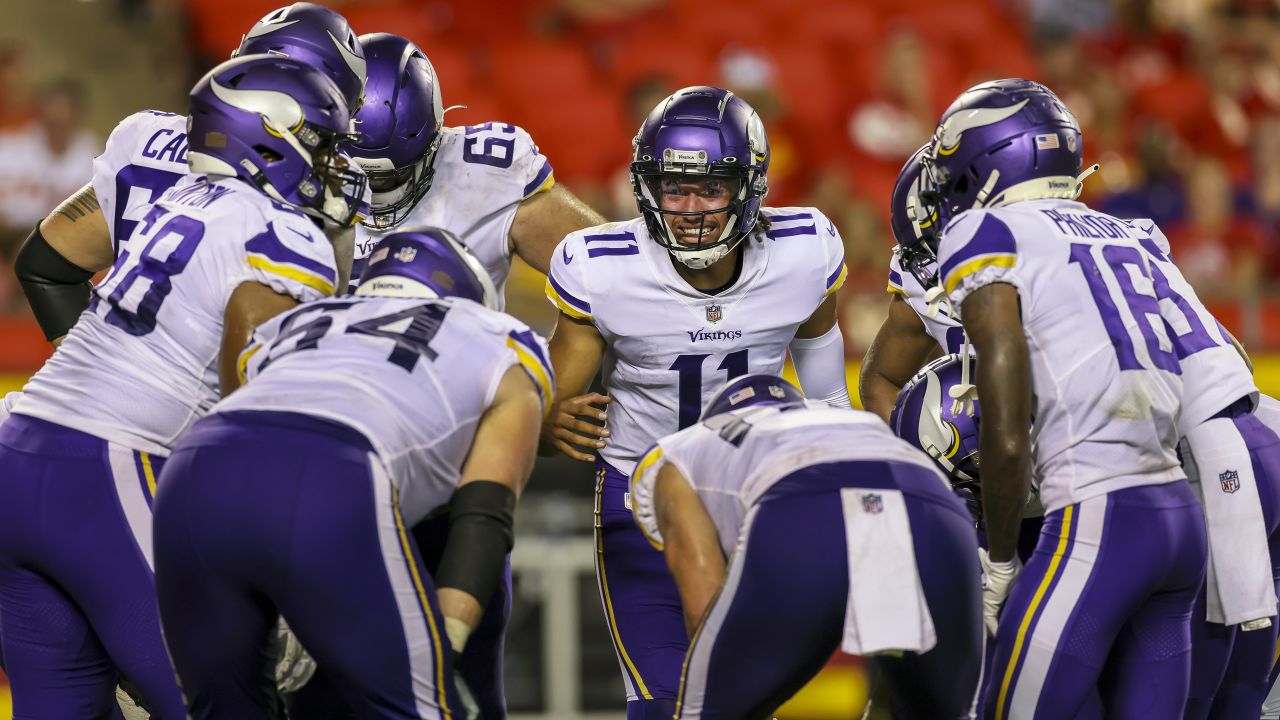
[(482, 174), (1213, 374), (943, 325), (732, 459), (414, 376), (668, 346), (145, 155), (141, 363), (1105, 375)]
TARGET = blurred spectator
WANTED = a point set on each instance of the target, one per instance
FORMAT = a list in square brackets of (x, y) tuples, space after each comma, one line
[(16, 90), (41, 163), (1217, 249), (642, 96), (753, 74)]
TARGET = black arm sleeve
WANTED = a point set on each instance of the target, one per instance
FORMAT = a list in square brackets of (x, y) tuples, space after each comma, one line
[(480, 536), (56, 289)]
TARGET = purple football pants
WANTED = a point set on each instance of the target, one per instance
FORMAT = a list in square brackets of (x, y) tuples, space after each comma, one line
[(1099, 622), (76, 588), (262, 514), (780, 615), (641, 603)]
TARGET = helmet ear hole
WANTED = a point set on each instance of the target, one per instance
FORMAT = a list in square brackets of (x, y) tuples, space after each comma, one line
[(268, 154)]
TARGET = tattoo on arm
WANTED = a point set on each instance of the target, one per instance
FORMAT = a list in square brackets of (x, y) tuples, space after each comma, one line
[(80, 205)]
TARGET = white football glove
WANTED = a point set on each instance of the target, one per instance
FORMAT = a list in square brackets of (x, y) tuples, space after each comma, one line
[(294, 665), (997, 578)]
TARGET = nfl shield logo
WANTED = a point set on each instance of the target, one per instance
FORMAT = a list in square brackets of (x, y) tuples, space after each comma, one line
[(1230, 481), (871, 503), (406, 254), (713, 313)]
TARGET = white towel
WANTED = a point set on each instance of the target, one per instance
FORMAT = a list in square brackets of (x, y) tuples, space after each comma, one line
[(1239, 586), (886, 609)]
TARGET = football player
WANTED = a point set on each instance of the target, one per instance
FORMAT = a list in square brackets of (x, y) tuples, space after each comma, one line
[(486, 183), (1060, 306), (489, 185), (706, 285), (1233, 460), (889, 567), (146, 155), (225, 249), (436, 409)]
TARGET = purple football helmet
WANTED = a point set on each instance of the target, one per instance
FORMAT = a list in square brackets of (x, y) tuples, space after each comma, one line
[(426, 262), (1001, 142), (318, 37), (399, 126), (914, 218), (923, 416), (276, 123), (702, 132), (749, 390)]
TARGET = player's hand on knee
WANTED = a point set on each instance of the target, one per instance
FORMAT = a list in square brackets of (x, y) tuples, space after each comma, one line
[(997, 578), (294, 665), (566, 425)]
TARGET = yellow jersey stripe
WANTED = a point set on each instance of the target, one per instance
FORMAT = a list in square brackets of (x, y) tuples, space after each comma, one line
[(242, 362), (976, 264), (438, 651), (839, 283), (608, 602), (311, 280), (646, 463), (565, 307), (546, 185), (684, 669), (536, 370), (148, 473), (895, 290), (1036, 599)]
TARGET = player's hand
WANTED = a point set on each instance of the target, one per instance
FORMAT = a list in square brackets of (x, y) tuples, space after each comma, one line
[(566, 427), (294, 665), (997, 578)]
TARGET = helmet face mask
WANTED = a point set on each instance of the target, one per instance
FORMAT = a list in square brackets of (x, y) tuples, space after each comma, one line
[(400, 127), (915, 221), (700, 134), (276, 123)]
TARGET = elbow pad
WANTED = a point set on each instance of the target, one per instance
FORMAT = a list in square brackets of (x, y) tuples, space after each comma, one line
[(57, 290), (481, 516)]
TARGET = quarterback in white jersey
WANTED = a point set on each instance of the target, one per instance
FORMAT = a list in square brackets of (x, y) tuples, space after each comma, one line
[(1066, 321), (890, 568), (207, 263), (706, 286), (360, 416), (488, 184)]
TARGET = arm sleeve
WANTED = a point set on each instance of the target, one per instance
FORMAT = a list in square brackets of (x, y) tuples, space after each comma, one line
[(531, 354), (643, 481), (566, 286), (820, 367), (56, 289), (977, 249)]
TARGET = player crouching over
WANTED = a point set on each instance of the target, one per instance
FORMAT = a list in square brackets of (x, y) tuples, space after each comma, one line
[(838, 536), (361, 416)]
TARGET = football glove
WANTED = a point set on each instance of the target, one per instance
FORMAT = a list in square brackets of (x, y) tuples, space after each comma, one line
[(997, 578)]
